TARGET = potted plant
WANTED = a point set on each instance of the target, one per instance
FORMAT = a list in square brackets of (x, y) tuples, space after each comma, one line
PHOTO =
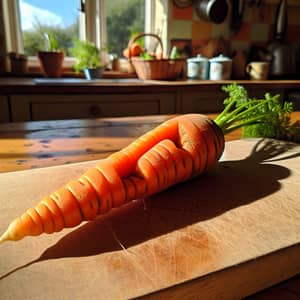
[(18, 63), (52, 58), (88, 59)]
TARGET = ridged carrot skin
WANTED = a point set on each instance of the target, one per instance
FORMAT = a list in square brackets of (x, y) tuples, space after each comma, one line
[(175, 151)]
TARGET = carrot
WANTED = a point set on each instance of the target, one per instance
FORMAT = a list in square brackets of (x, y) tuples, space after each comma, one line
[(174, 151), (134, 50)]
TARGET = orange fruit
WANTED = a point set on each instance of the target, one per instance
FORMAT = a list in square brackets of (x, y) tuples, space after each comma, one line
[(126, 52), (135, 49)]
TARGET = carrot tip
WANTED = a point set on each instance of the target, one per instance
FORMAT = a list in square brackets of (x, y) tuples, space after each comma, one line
[(5, 237)]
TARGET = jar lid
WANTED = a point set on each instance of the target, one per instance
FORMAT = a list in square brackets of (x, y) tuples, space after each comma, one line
[(220, 58), (198, 58)]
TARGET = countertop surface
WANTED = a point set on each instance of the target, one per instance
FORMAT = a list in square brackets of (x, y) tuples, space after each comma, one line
[(35, 145), (13, 85)]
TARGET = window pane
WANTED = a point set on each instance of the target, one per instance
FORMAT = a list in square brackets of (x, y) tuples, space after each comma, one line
[(59, 18), (124, 18)]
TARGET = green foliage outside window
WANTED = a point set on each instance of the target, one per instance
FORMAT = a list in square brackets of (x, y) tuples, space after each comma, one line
[(124, 18), (34, 40)]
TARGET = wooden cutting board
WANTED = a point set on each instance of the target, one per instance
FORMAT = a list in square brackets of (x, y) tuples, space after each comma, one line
[(223, 235)]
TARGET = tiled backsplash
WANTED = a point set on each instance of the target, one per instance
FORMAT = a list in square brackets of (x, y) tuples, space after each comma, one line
[(257, 28)]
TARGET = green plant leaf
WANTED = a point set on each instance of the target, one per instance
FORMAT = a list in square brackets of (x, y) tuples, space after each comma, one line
[(87, 55)]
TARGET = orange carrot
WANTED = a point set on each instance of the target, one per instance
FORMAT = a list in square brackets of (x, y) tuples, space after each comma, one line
[(174, 151), (135, 49)]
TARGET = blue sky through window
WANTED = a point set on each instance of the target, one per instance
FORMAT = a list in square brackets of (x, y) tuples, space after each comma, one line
[(48, 12)]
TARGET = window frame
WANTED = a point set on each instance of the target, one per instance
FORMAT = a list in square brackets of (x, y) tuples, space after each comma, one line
[(92, 25)]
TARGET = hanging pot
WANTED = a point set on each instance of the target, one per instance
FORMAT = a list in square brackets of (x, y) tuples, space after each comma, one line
[(212, 10)]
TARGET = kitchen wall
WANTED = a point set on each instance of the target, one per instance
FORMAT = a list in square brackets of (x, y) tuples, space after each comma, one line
[(186, 28)]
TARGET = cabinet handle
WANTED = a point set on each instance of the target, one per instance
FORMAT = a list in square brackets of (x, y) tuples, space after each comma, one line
[(95, 110)]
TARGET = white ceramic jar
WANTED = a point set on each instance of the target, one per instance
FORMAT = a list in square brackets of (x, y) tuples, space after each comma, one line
[(197, 67), (220, 68)]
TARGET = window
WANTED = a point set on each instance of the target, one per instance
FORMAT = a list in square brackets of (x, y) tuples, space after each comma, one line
[(37, 18), (123, 19), (108, 23), (62, 19)]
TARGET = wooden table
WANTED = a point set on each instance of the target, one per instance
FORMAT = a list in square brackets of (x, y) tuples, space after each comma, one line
[(48, 143), (32, 145)]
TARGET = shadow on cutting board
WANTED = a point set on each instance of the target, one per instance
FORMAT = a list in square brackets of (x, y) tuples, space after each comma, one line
[(229, 185)]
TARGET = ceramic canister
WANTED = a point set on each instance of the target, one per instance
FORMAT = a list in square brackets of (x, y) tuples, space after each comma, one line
[(197, 67), (220, 68)]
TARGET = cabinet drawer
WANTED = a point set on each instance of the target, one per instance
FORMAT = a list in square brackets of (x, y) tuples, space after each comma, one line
[(211, 101), (77, 110), (201, 102), (54, 107)]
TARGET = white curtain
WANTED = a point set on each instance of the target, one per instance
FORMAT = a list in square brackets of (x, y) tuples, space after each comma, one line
[(10, 33), (14, 41)]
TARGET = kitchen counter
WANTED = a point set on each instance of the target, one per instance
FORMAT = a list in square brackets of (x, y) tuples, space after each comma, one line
[(33, 146), (14, 85), (36, 99)]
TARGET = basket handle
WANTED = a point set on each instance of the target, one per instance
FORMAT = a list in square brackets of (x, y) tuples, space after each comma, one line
[(138, 36)]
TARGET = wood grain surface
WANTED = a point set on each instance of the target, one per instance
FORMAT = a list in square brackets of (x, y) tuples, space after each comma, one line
[(239, 225), (39, 144)]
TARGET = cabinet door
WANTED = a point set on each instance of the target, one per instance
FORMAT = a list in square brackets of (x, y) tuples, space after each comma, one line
[(211, 100), (294, 97), (90, 109), (201, 102), (4, 110), (53, 107), (259, 92)]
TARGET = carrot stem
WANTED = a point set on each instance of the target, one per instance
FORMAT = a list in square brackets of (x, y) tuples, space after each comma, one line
[(240, 115)]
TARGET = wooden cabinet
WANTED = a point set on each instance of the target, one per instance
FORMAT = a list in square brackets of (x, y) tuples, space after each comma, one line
[(51, 107), (4, 109), (210, 100), (259, 92), (294, 97), (201, 102), (36, 102)]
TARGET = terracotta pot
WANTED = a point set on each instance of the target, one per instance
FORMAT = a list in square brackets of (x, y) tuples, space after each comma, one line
[(51, 63)]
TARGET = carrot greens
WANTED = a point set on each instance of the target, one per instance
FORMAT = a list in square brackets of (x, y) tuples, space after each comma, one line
[(267, 117)]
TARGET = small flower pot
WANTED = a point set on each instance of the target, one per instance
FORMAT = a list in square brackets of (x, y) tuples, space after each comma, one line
[(93, 73), (18, 66), (51, 63)]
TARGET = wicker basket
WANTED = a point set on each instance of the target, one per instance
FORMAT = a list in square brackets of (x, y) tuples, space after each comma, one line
[(156, 69)]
